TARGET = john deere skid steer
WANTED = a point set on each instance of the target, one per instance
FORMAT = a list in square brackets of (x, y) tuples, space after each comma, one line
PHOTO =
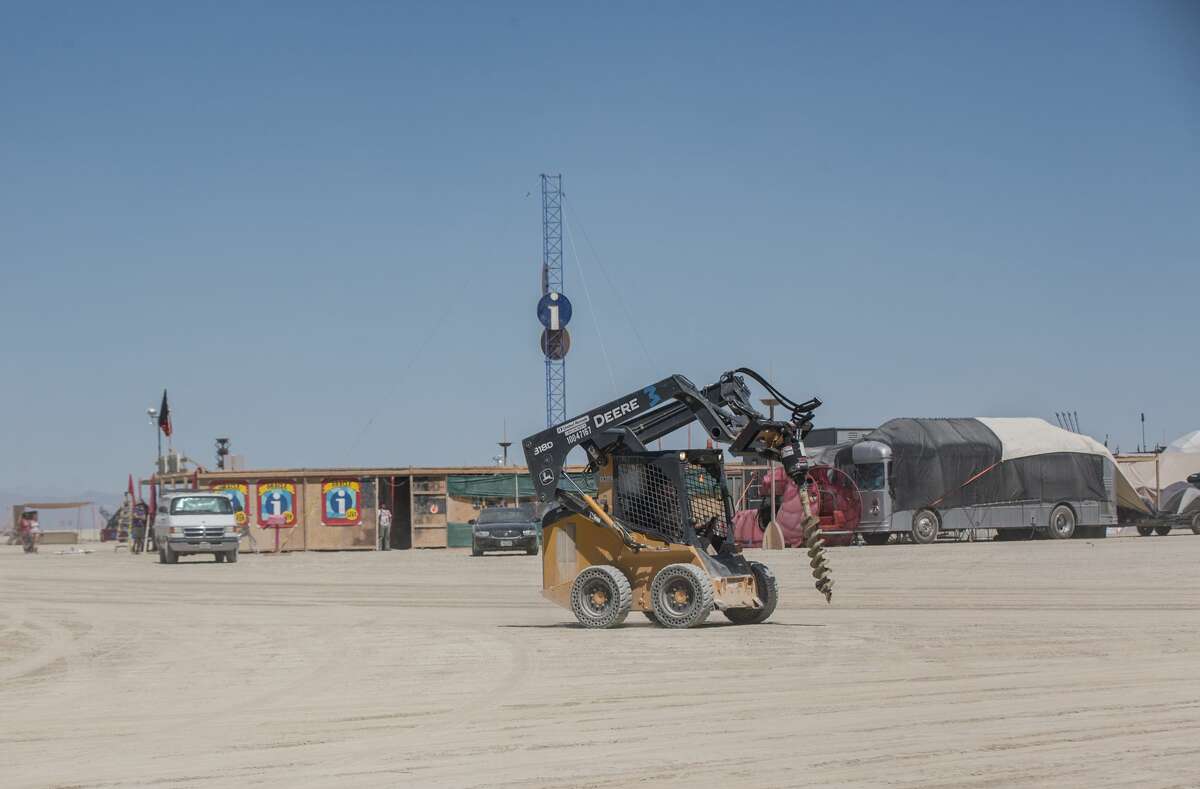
[(657, 536)]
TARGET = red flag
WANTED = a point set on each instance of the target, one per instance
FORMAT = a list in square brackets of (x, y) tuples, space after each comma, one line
[(164, 416)]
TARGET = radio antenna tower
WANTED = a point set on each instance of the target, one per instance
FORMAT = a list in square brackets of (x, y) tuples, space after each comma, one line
[(554, 310)]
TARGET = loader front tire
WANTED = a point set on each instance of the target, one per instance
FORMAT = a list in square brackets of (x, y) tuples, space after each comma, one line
[(681, 595), (601, 596), (768, 592)]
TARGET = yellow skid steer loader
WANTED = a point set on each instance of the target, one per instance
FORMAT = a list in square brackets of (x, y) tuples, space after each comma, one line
[(657, 537)]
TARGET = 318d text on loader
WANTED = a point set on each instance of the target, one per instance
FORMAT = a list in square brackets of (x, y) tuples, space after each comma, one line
[(658, 535)]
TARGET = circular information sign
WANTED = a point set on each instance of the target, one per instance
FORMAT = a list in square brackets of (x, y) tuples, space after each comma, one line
[(554, 311)]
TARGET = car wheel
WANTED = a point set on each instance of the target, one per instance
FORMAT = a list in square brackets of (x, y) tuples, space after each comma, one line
[(218, 557), (768, 592), (681, 596), (162, 555), (475, 550), (172, 557), (601, 596), (925, 527), (876, 537), (231, 557), (1062, 523), (532, 551)]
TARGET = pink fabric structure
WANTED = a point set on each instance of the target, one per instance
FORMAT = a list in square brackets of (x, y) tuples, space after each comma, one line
[(836, 505)]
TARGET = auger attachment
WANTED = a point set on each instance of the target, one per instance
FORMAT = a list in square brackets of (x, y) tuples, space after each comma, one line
[(816, 547)]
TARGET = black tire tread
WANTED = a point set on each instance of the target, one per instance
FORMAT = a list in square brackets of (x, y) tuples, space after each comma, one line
[(618, 582), (756, 616), (703, 585)]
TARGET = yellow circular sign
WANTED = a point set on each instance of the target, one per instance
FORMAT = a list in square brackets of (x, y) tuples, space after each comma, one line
[(240, 518), (352, 514), (288, 517)]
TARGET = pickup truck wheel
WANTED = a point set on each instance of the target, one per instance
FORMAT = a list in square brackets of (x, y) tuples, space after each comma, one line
[(1162, 531), (162, 556), (218, 557), (231, 557), (925, 527), (172, 557), (1145, 531), (1062, 523)]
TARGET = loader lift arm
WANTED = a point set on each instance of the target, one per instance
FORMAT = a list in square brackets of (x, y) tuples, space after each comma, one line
[(629, 423)]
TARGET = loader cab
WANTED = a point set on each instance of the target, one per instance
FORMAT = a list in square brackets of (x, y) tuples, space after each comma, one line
[(870, 466)]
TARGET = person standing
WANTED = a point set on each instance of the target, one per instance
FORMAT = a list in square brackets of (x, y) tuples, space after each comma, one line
[(385, 529), (141, 515)]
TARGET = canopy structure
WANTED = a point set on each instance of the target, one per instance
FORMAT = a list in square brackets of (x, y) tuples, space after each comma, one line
[(1161, 478), (45, 505), (974, 461)]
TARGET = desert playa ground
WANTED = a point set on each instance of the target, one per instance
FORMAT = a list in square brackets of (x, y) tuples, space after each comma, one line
[(960, 665)]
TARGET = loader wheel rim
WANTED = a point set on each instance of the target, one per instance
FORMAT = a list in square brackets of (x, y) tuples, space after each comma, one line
[(678, 597), (596, 598)]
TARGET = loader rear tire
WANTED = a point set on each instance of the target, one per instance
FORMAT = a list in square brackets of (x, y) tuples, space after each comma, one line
[(1162, 531), (601, 596), (768, 591), (681, 596)]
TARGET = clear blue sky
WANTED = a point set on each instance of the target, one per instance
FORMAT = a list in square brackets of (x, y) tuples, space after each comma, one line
[(301, 217)]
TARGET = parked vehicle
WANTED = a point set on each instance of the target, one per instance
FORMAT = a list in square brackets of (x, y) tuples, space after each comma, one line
[(504, 529), (190, 522), (1020, 477)]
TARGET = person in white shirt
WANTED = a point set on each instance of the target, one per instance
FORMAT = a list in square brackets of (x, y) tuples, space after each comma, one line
[(385, 529)]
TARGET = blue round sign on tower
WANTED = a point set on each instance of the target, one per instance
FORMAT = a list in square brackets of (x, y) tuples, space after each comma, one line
[(554, 311)]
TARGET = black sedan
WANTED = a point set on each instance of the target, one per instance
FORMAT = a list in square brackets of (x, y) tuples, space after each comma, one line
[(504, 529)]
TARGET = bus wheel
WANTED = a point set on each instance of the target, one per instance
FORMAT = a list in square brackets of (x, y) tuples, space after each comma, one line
[(925, 527), (1062, 523)]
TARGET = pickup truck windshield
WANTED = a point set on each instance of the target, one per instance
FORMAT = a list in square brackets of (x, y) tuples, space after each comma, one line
[(201, 505)]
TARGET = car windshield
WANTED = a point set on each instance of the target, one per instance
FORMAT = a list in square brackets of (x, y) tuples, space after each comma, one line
[(507, 515), (201, 505)]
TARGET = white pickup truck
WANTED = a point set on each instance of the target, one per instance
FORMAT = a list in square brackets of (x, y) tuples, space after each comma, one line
[(197, 522)]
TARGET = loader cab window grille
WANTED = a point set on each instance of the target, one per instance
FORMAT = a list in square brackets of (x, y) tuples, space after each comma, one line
[(647, 497), (664, 496), (706, 497)]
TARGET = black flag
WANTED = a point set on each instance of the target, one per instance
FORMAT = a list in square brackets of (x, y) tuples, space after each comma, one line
[(164, 416)]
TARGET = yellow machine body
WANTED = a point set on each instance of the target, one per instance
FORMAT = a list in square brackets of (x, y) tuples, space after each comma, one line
[(575, 542)]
